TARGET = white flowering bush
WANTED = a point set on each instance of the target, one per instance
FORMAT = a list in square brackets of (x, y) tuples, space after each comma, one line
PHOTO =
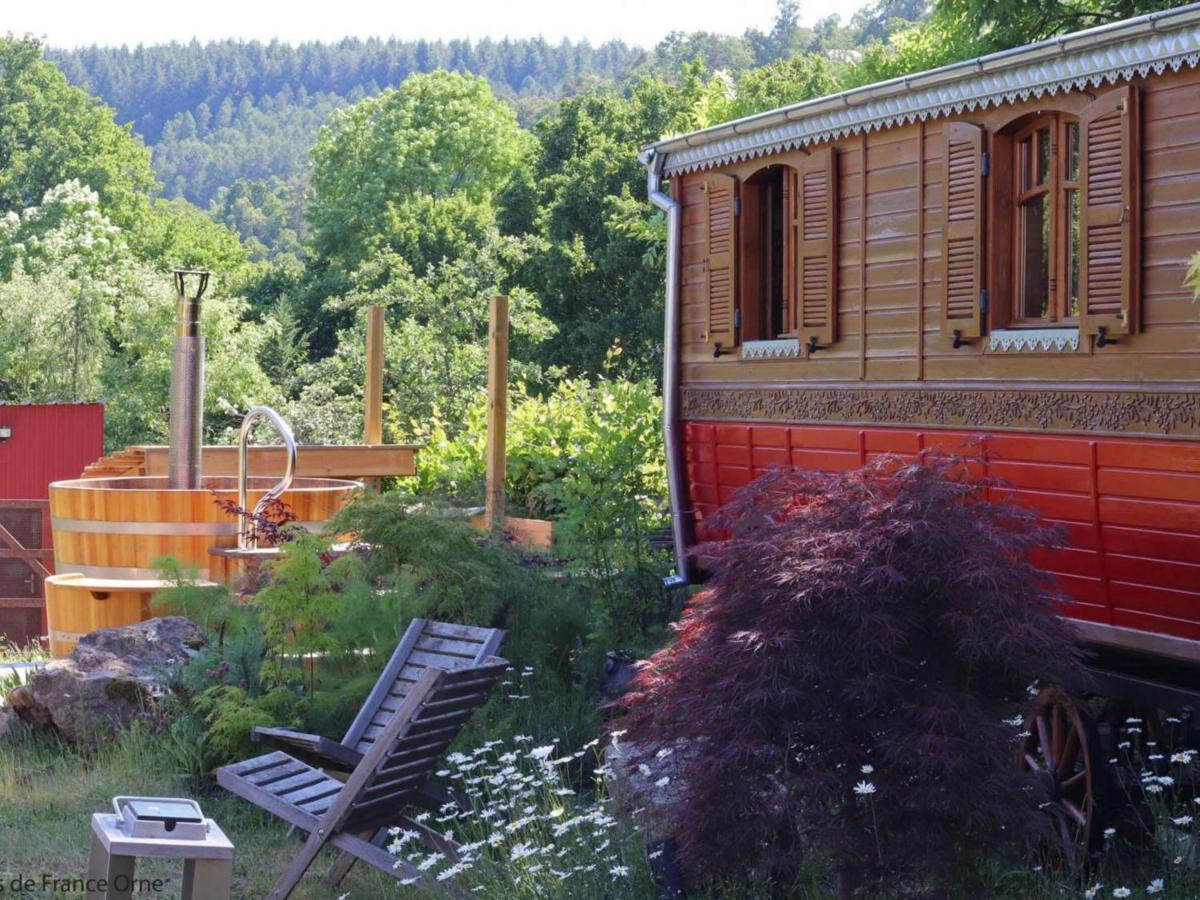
[(527, 828)]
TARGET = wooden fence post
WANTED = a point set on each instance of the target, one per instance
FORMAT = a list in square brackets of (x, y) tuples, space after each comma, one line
[(497, 420), (373, 390)]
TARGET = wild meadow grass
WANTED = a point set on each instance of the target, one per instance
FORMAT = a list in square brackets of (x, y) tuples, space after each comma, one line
[(11, 653), (536, 819)]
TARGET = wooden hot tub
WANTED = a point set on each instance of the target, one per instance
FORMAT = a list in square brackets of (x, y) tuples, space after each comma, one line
[(117, 527), (108, 532)]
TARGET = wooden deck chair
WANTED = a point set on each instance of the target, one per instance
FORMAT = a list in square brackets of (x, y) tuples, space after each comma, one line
[(352, 815), (425, 643)]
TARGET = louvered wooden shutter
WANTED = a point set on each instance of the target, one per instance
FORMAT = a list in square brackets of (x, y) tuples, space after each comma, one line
[(816, 255), (962, 251), (720, 206), (1110, 173)]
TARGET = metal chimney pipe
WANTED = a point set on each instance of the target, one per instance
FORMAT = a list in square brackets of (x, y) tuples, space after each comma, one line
[(187, 385)]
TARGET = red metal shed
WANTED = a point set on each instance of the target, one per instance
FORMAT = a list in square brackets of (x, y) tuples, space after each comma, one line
[(39, 443)]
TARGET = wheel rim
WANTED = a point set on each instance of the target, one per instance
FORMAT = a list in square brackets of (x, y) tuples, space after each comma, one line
[(1060, 748)]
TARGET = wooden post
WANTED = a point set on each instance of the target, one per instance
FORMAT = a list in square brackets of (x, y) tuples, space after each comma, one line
[(497, 408), (373, 390), (373, 395)]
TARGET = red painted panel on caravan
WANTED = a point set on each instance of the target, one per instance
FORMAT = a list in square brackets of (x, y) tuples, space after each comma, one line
[(1131, 507)]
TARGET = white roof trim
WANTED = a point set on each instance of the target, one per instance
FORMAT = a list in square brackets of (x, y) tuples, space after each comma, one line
[(1101, 58)]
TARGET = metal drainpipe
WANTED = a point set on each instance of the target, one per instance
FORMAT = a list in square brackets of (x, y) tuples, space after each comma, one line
[(681, 519), (187, 386)]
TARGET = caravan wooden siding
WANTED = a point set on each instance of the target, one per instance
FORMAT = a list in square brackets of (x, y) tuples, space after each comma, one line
[(1100, 432), (894, 219), (1130, 508)]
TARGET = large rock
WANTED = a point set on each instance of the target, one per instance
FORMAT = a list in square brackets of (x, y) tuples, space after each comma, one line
[(111, 678), (8, 720)]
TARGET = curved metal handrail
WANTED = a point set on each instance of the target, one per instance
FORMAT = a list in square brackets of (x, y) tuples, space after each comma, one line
[(248, 533)]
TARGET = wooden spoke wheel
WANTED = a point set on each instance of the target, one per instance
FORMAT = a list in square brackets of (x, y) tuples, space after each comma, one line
[(1061, 747)]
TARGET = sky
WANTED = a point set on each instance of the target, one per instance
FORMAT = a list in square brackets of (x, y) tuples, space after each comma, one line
[(71, 23)]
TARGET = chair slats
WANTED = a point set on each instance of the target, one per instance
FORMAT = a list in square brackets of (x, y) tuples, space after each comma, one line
[(450, 704), (280, 772), (250, 766), (296, 782), (472, 633), (449, 647), (420, 749), (441, 645), (406, 751), (437, 660), (320, 806), (315, 793)]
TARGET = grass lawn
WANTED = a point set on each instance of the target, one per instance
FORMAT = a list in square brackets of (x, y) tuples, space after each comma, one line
[(47, 797)]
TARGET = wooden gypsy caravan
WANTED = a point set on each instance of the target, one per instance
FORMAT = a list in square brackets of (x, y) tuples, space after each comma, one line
[(992, 250)]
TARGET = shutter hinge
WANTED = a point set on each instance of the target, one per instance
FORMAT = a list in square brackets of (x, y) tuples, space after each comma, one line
[(737, 318), (983, 302), (985, 164), (737, 206)]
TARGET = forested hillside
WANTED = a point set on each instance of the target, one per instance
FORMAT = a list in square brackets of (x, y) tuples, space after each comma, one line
[(217, 112)]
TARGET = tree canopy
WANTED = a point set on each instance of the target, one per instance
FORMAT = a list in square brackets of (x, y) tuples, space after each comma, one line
[(437, 136), (52, 132)]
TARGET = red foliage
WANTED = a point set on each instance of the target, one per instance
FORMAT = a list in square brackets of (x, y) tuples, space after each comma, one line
[(273, 525), (887, 617)]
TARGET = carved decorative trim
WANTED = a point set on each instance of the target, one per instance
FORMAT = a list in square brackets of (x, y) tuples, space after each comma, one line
[(1034, 340), (784, 348), (1174, 413)]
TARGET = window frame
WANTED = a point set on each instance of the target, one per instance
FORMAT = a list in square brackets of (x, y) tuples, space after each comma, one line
[(755, 254), (1058, 187)]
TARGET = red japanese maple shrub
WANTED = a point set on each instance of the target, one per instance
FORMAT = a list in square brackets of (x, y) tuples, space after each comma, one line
[(887, 618)]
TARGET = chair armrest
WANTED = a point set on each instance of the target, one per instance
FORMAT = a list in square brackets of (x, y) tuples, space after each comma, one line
[(284, 738), (313, 747)]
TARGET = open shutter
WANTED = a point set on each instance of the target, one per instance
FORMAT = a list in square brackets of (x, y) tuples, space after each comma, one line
[(962, 250), (1110, 174), (720, 207), (816, 256)]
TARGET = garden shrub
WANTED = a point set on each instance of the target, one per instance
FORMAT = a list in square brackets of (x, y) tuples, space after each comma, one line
[(437, 567), (589, 455), (549, 438), (847, 682), (309, 645)]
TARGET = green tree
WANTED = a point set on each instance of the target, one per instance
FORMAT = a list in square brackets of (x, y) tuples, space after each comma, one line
[(173, 233), (137, 375), (599, 271), (436, 343), (268, 214), (438, 135), (1000, 24), (64, 266), (52, 132), (803, 77)]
